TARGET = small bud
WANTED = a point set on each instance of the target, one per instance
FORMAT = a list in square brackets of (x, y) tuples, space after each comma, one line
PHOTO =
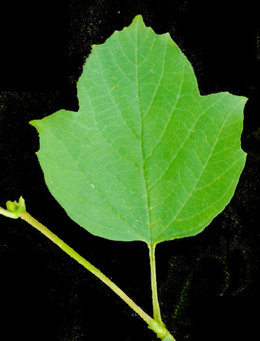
[(16, 207)]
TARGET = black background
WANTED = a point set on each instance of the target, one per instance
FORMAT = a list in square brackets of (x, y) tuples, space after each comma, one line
[(208, 284)]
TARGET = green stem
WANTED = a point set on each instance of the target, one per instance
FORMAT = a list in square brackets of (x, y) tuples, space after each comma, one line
[(19, 211), (72, 253), (8, 213), (156, 306)]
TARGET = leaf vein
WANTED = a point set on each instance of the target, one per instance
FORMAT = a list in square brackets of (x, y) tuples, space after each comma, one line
[(98, 192), (170, 117), (141, 139), (183, 143), (202, 172), (158, 83), (113, 101)]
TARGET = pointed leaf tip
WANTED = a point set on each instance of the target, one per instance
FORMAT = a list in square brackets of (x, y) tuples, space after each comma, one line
[(36, 124), (138, 18), (33, 123)]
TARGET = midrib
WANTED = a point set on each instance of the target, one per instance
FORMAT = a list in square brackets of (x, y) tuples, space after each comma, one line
[(148, 212)]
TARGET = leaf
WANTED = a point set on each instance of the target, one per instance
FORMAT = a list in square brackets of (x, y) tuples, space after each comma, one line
[(146, 157)]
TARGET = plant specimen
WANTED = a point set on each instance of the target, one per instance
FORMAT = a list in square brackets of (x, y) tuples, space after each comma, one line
[(146, 157)]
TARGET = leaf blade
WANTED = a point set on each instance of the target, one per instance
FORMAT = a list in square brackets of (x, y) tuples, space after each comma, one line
[(141, 158)]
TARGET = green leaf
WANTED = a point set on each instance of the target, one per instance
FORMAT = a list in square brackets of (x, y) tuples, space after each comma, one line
[(146, 157)]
